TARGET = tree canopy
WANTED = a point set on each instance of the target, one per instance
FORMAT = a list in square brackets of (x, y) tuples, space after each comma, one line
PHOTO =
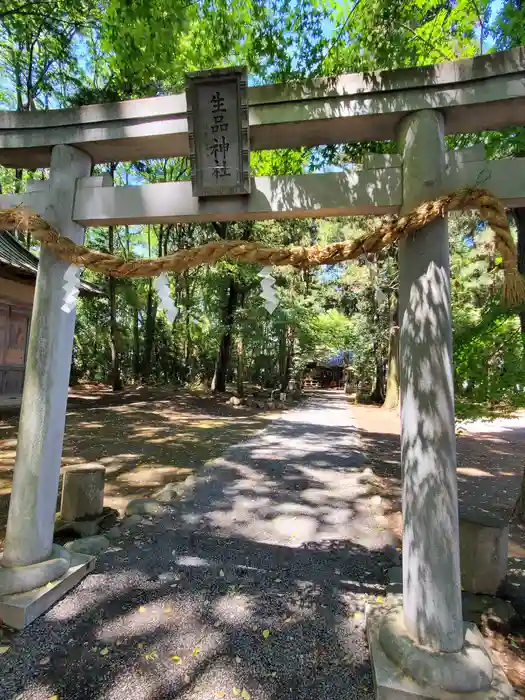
[(57, 53)]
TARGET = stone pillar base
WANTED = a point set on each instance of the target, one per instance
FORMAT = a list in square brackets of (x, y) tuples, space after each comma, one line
[(391, 682), (19, 579), (19, 610)]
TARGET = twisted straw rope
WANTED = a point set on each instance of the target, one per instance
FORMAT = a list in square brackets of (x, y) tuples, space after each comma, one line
[(388, 232)]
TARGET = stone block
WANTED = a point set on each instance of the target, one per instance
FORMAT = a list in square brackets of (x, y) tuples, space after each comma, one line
[(147, 506), (82, 492), (89, 545), (483, 543), (19, 610), (169, 493), (477, 608), (391, 683)]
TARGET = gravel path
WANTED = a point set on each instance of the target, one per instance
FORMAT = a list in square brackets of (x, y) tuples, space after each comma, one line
[(254, 586)]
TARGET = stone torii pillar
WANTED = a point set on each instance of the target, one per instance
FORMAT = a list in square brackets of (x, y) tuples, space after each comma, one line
[(424, 650), (431, 573), (30, 559)]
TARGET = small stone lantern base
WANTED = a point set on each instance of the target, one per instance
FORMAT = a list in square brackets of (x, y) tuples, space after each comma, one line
[(82, 507)]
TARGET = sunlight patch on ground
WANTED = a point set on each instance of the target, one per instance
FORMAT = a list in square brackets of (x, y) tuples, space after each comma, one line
[(153, 476), (473, 471)]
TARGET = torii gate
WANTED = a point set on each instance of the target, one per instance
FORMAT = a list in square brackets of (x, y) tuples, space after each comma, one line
[(418, 107)]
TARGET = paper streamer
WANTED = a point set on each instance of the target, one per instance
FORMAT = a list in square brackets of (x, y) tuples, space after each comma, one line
[(71, 288), (268, 292), (162, 288)]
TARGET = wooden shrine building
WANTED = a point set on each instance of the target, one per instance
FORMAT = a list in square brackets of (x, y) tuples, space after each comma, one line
[(18, 269)]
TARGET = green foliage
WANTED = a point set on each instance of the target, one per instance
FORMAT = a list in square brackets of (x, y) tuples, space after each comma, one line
[(73, 52)]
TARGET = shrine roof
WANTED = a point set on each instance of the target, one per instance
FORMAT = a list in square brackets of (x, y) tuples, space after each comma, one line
[(14, 255)]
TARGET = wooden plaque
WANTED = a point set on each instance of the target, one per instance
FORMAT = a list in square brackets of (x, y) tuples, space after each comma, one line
[(217, 103)]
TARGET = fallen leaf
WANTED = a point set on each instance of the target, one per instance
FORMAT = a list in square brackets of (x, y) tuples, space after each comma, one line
[(151, 655), (104, 651), (44, 661), (140, 645), (196, 651), (221, 573), (176, 659), (287, 619), (357, 616), (167, 610), (379, 598), (236, 691), (142, 609), (53, 697), (3, 650), (245, 694), (266, 634), (220, 694)]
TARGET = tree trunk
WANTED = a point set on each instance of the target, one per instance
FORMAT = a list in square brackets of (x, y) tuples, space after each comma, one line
[(519, 218), (378, 393), (224, 354), (188, 368), (240, 367), (283, 356), (392, 380), (73, 375), (149, 326), (116, 378), (136, 345), (289, 347), (149, 332)]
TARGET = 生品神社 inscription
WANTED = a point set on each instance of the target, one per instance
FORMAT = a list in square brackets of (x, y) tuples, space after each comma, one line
[(218, 132)]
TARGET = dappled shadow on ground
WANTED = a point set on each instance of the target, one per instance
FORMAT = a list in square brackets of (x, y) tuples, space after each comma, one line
[(294, 483), (257, 580), (489, 464), (208, 601), (145, 438)]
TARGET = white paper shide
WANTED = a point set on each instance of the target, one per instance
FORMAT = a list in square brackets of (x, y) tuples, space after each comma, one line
[(268, 292), (71, 288), (162, 288)]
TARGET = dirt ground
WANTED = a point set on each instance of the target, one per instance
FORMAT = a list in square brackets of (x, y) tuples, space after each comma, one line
[(145, 438), (490, 458)]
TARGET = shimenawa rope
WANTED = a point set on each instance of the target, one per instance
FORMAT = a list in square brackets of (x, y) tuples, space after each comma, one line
[(388, 232)]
